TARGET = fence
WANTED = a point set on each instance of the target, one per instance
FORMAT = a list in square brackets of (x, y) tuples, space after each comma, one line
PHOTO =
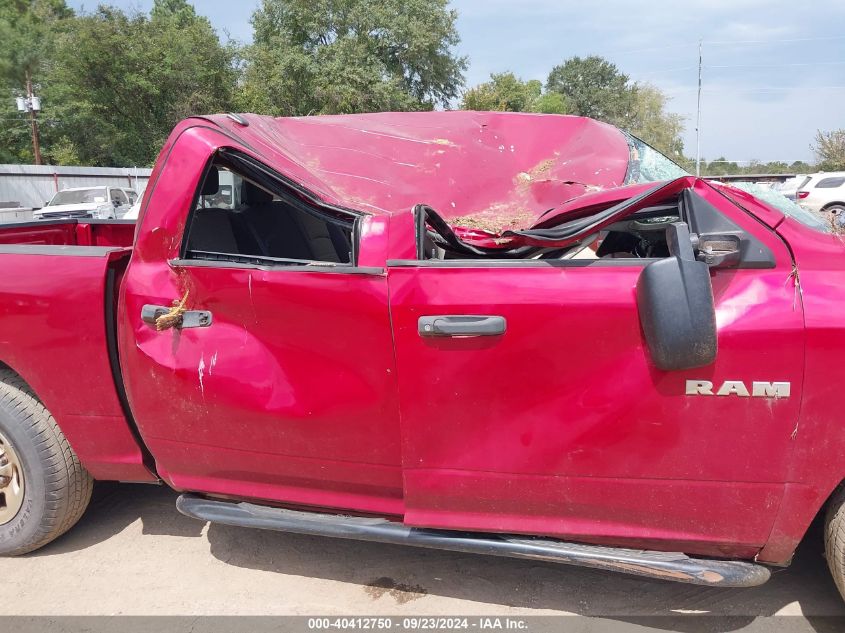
[(27, 187)]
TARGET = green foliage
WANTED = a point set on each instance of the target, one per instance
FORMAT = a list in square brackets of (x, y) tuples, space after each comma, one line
[(594, 87), (830, 150), (722, 167), (114, 83), (505, 92), (342, 56), (648, 120), (26, 29), (118, 83), (551, 103)]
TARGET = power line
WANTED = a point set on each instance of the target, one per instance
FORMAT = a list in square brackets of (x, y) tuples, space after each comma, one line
[(755, 89), (722, 66), (777, 40), (821, 63)]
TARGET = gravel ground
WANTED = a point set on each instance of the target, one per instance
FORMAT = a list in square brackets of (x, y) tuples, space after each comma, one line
[(133, 553)]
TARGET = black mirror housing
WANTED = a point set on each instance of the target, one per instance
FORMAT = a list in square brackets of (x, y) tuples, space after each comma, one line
[(676, 307)]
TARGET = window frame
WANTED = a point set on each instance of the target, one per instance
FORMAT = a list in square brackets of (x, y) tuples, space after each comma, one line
[(604, 262), (115, 193), (291, 192)]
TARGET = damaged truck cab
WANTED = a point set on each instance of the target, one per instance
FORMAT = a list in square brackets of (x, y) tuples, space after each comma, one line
[(522, 335)]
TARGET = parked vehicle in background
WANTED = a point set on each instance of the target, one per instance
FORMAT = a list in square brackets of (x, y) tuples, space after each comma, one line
[(131, 194), (428, 347), (228, 196), (99, 203), (132, 214), (789, 188), (823, 193)]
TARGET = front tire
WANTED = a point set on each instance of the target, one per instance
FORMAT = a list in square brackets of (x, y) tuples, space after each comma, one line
[(43, 487)]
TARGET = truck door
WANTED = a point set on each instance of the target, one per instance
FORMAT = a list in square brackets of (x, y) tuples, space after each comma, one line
[(542, 413), (257, 356)]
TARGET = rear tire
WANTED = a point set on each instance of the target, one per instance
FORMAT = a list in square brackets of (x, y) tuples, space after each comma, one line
[(834, 538), (53, 489)]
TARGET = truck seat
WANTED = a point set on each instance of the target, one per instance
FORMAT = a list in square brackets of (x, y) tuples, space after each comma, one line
[(211, 231)]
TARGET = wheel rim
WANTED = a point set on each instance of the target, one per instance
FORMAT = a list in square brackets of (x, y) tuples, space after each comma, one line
[(11, 482)]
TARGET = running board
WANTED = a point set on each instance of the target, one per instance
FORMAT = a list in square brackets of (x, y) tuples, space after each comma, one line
[(662, 565)]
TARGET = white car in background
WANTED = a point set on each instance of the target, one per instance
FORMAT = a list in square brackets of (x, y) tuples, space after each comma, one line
[(823, 193), (789, 187), (132, 214), (100, 203)]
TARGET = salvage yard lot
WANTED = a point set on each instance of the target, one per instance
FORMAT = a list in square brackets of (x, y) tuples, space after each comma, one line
[(133, 553)]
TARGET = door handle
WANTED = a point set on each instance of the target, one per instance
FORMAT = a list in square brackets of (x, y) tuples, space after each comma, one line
[(163, 317), (461, 325)]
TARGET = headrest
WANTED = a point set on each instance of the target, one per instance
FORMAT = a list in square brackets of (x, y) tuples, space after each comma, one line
[(211, 183), (254, 195)]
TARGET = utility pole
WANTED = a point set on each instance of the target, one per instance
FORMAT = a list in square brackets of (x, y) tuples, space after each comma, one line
[(698, 119), (32, 105)]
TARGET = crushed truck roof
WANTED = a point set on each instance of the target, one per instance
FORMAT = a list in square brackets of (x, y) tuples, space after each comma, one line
[(487, 170)]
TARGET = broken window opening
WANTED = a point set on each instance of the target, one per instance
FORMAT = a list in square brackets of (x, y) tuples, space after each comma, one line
[(243, 215), (631, 229)]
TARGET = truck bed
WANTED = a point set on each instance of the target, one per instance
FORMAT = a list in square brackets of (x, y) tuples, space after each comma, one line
[(57, 331), (68, 233)]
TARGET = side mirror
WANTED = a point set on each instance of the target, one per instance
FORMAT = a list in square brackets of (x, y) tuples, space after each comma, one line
[(675, 303)]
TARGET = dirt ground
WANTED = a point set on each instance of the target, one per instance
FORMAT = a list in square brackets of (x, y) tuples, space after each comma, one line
[(133, 553)]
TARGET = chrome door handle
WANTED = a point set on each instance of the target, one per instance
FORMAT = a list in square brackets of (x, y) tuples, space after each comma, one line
[(461, 325), (163, 317)]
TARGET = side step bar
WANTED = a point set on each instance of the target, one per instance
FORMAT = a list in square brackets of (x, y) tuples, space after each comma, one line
[(662, 565)]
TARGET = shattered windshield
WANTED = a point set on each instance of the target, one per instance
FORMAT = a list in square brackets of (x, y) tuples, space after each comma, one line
[(780, 202), (648, 165)]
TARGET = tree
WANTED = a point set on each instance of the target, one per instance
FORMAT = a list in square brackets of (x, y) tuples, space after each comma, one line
[(648, 120), (341, 56), (118, 83), (26, 28), (830, 150), (505, 92), (593, 87)]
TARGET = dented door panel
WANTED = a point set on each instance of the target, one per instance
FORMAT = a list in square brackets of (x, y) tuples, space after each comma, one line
[(289, 394), (562, 426)]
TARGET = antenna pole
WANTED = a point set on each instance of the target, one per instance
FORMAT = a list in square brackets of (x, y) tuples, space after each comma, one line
[(698, 119)]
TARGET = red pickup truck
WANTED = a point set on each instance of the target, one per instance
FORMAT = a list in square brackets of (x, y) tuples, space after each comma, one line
[(522, 335)]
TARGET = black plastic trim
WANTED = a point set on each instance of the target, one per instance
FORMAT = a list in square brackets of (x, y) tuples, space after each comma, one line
[(295, 266), (661, 565), (520, 263), (706, 221), (114, 362)]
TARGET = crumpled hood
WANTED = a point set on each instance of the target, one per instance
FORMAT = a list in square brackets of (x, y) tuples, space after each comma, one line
[(492, 170)]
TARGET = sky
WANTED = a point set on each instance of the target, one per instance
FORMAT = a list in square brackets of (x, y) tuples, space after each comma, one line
[(773, 70)]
